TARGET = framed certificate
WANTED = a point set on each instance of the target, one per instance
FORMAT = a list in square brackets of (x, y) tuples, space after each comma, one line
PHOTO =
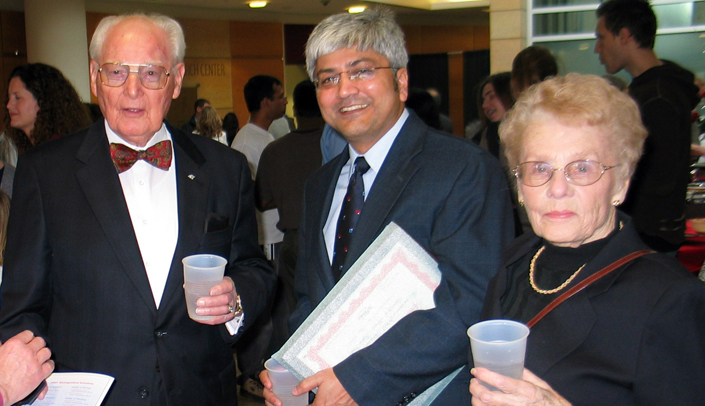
[(394, 277)]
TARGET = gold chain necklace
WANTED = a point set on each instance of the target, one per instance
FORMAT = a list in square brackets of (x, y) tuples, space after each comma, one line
[(552, 291)]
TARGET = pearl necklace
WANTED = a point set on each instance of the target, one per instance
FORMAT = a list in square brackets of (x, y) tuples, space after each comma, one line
[(552, 291)]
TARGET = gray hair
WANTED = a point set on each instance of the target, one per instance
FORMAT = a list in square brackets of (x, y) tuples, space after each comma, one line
[(372, 29), (171, 28)]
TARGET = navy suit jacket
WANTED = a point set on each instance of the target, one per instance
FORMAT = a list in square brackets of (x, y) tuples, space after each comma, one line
[(74, 273), (634, 337), (452, 198)]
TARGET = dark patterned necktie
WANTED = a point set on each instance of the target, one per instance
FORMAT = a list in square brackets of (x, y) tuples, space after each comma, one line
[(349, 214), (158, 155)]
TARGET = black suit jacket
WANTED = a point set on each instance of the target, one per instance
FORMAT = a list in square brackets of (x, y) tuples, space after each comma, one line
[(634, 337), (452, 198), (74, 273)]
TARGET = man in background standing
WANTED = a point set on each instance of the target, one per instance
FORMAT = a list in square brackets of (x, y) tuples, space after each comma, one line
[(666, 95), (283, 169), (266, 101)]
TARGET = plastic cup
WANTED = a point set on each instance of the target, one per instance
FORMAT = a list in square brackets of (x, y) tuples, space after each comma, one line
[(201, 273), (283, 382), (500, 346)]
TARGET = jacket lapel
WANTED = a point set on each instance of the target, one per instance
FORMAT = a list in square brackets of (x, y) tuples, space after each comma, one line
[(320, 214), (398, 168), (101, 186), (192, 186)]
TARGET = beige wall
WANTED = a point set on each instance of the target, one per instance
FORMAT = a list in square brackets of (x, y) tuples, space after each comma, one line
[(507, 33)]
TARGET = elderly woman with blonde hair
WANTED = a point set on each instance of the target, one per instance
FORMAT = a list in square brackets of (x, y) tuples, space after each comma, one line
[(628, 324)]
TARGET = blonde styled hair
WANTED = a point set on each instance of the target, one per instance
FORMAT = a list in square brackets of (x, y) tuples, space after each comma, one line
[(209, 123), (579, 100)]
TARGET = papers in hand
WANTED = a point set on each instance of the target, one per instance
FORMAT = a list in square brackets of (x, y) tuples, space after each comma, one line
[(393, 278), (76, 389)]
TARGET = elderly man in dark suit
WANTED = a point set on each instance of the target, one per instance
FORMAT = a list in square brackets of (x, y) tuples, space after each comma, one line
[(95, 244), (449, 195)]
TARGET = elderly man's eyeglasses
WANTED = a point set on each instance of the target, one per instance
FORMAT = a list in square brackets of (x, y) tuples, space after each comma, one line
[(331, 80), (151, 76), (581, 173)]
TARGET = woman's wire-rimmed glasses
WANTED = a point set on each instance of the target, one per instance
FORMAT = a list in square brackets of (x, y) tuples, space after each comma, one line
[(581, 172)]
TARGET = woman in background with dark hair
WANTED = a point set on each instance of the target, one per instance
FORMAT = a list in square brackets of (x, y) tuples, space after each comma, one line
[(532, 65), (41, 105), (231, 125), (494, 98)]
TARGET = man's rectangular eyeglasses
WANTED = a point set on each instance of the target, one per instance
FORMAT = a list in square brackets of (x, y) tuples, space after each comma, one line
[(151, 76), (581, 173), (331, 80)]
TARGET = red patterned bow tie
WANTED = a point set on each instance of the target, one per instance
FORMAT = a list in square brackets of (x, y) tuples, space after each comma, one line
[(124, 157)]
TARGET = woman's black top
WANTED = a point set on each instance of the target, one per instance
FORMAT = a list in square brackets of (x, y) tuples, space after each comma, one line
[(553, 267)]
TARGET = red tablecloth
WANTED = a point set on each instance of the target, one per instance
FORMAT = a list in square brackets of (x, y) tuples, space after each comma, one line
[(692, 253)]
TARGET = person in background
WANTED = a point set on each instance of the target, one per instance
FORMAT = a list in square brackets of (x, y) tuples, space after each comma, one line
[(421, 102), (210, 125), (494, 99), (281, 127), (266, 101), (624, 339), (446, 123), (448, 194), (190, 126), (8, 151), (4, 215), (530, 66), (102, 218), (666, 95), (284, 167), (332, 143), (41, 105), (231, 125), (7, 171), (617, 82), (94, 111), (24, 363)]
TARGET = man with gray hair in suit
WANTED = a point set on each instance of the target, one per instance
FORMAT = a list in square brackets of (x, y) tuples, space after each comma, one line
[(449, 195)]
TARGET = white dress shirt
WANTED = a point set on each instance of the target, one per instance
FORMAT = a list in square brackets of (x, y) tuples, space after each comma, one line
[(152, 201), (375, 158)]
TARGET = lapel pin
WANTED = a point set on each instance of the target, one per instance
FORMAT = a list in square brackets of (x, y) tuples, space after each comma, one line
[(192, 177)]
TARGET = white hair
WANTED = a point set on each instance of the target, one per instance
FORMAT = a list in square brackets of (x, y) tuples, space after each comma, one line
[(171, 28)]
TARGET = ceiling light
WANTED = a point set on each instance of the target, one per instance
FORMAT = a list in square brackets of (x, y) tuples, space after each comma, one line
[(356, 9), (257, 4)]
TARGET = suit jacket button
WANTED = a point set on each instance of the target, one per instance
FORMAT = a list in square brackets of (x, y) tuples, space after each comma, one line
[(159, 334), (144, 393), (157, 368)]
